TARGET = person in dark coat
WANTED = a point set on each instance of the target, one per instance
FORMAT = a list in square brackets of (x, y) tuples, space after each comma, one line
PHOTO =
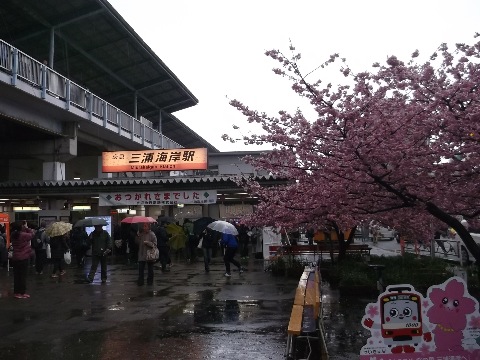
[(310, 235), (58, 247), (243, 240), (192, 241), (101, 247), (208, 239), (162, 244), (80, 243), (133, 230), (41, 240), (21, 237), (230, 243), (3, 248)]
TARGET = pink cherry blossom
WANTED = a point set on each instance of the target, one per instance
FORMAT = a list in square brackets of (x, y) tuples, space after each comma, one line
[(372, 311), (398, 144)]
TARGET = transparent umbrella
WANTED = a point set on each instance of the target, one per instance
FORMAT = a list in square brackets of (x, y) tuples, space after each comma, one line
[(223, 227)]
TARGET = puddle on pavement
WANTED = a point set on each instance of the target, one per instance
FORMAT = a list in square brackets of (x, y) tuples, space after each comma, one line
[(345, 334), (198, 327)]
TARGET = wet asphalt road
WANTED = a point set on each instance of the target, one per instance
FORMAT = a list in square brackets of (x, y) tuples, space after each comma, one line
[(186, 314)]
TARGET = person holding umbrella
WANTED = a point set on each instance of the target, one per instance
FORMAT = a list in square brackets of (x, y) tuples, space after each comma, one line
[(80, 243), (59, 246), (58, 232), (145, 240), (101, 247), (230, 243), (208, 238)]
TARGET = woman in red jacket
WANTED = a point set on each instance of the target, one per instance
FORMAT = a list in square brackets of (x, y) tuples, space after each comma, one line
[(21, 242)]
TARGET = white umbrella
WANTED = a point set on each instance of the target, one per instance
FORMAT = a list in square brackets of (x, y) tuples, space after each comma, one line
[(223, 227)]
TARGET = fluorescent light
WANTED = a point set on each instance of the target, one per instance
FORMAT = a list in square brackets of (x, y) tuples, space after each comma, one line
[(81, 207), (76, 178), (26, 208)]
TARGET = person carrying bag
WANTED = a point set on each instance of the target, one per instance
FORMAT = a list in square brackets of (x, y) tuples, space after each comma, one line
[(146, 241)]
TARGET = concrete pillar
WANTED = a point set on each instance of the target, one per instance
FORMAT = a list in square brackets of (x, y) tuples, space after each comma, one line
[(53, 170), (140, 210), (205, 210)]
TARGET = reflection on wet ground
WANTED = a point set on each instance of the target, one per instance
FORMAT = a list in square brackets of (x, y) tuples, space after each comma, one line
[(345, 334), (186, 314)]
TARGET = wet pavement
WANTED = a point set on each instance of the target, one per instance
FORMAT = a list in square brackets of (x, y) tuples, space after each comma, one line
[(342, 318), (186, 314)]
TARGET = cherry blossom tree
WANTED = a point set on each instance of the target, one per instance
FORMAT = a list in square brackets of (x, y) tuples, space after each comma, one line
[(399, 144)]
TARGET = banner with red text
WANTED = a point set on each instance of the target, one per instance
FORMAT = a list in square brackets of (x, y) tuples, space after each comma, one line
[(158, 198)]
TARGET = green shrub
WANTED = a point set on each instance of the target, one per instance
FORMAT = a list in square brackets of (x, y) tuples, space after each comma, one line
[(421, 273), (287, 265)]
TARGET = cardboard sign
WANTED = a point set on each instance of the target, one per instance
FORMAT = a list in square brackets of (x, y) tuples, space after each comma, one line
[(404, 325)]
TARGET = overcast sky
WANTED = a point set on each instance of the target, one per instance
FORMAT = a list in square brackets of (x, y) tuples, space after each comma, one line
[(216, 47)]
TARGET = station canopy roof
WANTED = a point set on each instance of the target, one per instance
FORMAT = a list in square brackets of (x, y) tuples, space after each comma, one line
[(97, 49)]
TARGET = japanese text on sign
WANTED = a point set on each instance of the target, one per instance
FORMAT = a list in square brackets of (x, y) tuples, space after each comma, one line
[(158, 198), (155, 160)]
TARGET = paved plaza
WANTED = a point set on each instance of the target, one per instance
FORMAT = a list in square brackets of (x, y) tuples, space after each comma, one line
[(186, 314)]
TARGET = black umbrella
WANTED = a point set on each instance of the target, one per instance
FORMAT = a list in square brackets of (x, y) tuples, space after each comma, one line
[(200, 224)]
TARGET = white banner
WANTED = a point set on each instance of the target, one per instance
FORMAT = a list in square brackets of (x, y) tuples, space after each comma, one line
[(158, 198)]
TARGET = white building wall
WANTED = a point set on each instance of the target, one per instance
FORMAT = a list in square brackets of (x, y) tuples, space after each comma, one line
[(231, 164)]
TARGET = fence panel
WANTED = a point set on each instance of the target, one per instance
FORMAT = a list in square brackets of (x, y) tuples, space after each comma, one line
[(78, 95), (29, 69), (5, 56), (112, 114), (56, 84), (126, 121)]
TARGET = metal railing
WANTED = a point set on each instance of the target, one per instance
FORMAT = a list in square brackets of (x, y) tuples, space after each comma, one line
[(22, 67)]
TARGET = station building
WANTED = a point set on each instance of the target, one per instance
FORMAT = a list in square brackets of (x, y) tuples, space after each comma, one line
[(78, 83)]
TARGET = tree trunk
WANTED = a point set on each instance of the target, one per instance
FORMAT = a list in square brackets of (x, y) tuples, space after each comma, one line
[(461, 231), (342, 246), (458, 227), (343, 243)]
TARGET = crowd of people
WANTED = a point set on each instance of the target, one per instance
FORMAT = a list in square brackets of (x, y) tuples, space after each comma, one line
[(33, 246)]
